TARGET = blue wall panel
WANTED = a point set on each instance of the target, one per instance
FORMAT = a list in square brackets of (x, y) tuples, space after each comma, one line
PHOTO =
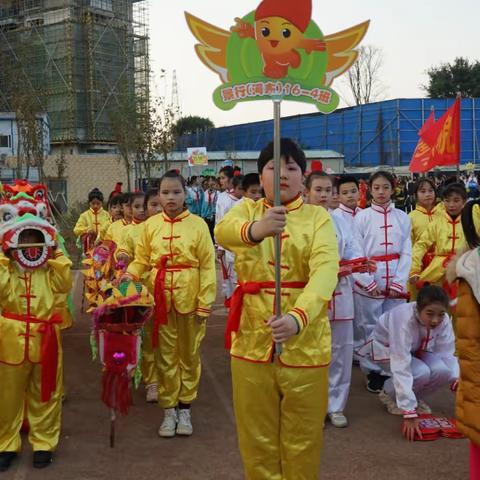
[(384, 133)]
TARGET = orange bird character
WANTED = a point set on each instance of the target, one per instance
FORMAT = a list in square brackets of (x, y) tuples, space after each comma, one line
[(279, 31)]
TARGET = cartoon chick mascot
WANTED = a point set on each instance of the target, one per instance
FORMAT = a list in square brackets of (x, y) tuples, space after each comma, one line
[(279, 31)]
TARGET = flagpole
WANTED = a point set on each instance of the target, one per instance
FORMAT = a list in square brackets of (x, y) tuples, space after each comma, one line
[(277, 202), (459, 97)]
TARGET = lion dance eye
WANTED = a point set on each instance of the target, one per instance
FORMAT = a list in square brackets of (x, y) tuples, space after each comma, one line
[(286, 33), (7, 216), (265, 32)]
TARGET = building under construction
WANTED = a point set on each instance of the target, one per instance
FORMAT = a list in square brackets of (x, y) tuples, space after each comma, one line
[(81, 59)]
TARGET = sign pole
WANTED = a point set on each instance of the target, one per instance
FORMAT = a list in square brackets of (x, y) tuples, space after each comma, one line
[(277, 202)]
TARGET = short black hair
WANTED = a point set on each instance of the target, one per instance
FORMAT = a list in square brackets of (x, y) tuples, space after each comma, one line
[(250, 179), (288, 149), (125, 198), (316, 174), (468, 224), (228, 171), (115, 200), (153, 192), (382, 173), (237, 181), (95, 194), (455, 189), (135, 195), (343, 179), (174, 175), (431, 294)]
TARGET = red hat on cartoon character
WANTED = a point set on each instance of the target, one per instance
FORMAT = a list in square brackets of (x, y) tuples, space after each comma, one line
[(298, 12)]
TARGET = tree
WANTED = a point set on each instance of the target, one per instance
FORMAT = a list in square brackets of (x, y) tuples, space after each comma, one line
[(190, 124), (363, 78), (123, 116), (446, 80), (166, 118)]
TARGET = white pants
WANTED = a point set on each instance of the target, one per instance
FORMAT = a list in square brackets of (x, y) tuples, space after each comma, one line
[(340, 372), (229, 282), (429, 374), (367, 312)]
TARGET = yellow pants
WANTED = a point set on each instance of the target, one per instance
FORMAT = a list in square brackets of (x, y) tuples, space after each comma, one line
[(20, 387), (280, 413), (149, 368), (178, 360)]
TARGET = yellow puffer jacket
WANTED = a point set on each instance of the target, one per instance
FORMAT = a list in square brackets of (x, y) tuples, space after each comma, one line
[(468, 349)]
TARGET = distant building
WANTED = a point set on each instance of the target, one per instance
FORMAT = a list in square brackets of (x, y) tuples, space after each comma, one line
[(78, 57), (9, 139)]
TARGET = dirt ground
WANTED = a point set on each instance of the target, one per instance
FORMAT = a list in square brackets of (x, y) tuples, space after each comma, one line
[(370, 449)]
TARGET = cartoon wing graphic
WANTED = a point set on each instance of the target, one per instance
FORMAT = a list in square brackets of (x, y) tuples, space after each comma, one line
[(212, 49), (341, 50)]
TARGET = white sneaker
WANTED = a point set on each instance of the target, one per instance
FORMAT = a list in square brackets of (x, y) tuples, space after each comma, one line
[(338, 419), (389, 403), (169, 424), (152, 393), (423, 408), (184, 426)]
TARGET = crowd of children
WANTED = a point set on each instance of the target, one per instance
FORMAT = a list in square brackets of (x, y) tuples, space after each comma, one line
[(365, 285)]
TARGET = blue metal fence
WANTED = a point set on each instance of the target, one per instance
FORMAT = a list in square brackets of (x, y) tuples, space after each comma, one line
[(383, 133)]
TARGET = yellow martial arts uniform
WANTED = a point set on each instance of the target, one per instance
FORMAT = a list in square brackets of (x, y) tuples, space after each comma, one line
[(181, 252), (114, 231), (444, 238), (421, 218), (91, 221), (281, 401), (28, 301)]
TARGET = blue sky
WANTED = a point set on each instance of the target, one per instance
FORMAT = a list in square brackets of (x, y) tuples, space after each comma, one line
[(413, 34)]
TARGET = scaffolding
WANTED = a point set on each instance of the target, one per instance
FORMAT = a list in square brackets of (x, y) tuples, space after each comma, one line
[(80, 57)]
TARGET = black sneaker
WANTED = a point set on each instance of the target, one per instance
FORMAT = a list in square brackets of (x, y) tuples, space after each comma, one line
[(6, 459), (42, 459), (375, 382)]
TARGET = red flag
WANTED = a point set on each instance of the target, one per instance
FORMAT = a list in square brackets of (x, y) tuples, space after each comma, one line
[(439, 142)]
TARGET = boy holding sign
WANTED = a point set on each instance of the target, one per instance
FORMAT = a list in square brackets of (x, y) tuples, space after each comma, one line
[(275, 393)]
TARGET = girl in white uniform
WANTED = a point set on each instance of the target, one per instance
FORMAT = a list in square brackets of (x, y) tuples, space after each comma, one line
[(415, 343), (319, 191), (384, 233), (226, 201)]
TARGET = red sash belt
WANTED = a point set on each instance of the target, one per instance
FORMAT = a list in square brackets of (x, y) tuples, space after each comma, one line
[(448, 257), (48, 352), (387, 258), (161, 314), (236, 305)]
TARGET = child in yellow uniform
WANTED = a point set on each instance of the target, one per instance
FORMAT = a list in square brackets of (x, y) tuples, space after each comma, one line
[(280, 400), (115, 207), (115, 229), (95, 221), (425, 212), (426, 208), (443, 237), (176, 249), (31, 354), (126, 253)]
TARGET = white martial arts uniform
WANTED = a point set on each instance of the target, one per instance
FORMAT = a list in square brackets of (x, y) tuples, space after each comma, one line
[(384, 234), (225, 202), (348, 216), (341, 315), (420, 360)]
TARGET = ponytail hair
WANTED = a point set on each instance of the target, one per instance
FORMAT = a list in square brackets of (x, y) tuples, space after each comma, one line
[(468, 224)]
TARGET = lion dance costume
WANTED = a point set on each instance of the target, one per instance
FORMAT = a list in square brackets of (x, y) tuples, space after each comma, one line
[(35, 279)]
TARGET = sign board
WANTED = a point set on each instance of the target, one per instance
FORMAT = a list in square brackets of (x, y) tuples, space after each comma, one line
[(197, 157), (276, 52)]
